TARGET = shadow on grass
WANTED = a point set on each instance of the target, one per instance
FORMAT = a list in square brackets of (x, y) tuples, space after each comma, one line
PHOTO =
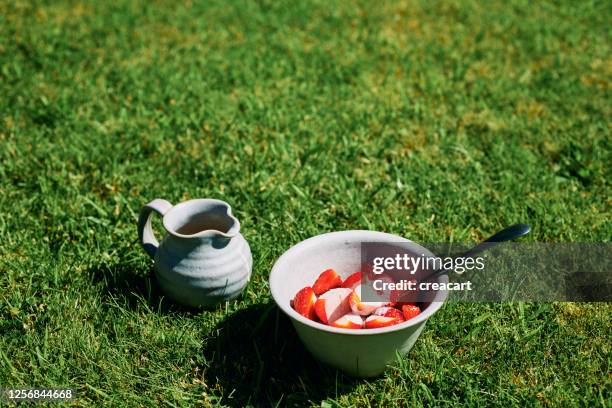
[(256, 357), (253, 354), (128, 289)]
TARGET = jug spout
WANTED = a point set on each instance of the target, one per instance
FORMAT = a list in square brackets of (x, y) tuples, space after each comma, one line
[(201, 218)]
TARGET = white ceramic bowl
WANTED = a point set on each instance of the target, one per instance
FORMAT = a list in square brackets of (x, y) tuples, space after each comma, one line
[(361, 353)]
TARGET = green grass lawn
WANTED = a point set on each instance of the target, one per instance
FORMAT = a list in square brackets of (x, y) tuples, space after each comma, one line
[(438, 122)]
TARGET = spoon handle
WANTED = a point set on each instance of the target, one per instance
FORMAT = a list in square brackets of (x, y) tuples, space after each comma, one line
[(507, 234)]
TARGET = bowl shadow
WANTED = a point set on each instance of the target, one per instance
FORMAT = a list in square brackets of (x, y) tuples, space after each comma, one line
[(255, 356)]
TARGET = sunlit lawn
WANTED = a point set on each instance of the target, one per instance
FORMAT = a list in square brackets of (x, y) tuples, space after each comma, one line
[(439, 122)]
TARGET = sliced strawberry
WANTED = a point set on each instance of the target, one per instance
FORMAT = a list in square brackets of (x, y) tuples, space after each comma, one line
[(370, 275), (401, 304), (304, 302), (374, 321), (401, 297), (333, 304), (349, 321), (363, 308), (410, 311), (327, 280), (389, 312), (385, 278), (352, 281)]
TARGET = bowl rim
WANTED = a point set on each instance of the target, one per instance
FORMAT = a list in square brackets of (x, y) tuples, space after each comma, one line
[(359, 236)]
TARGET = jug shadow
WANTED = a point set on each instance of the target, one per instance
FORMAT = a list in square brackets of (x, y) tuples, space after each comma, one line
[(256, 357), (130, 289)]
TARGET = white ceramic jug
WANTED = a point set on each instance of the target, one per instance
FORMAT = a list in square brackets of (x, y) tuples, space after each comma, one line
[(203, 260)]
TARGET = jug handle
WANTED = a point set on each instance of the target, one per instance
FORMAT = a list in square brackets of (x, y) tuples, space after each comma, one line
[(145, 231)]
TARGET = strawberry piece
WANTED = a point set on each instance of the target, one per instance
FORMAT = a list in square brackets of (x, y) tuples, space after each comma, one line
[(370, 275), (333, 304), (327, 280), (410, 311), (349, 321), (352, 281), (363, 308), (401, 304), (385, 278), (374, 321), (304, 302), (389, 312), (401, 297)]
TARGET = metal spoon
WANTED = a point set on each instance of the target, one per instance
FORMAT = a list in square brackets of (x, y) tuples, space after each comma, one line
[(508, 234)]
